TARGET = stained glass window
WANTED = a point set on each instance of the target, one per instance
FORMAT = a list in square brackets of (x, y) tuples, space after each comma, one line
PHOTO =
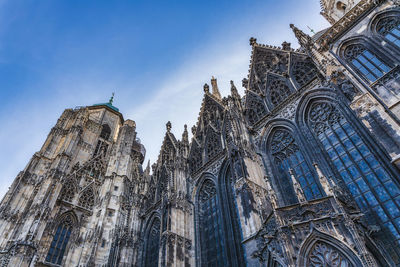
[(212, 243), (369, 183), (287, 156), (153, 244), (60, 241), (367, 63), (390, 29)]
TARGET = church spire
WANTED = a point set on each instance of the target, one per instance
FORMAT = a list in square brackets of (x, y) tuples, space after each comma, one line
[(304, 39), (215, 90), (111, 99)]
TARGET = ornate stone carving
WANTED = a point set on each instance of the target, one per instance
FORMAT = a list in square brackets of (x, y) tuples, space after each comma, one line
[(323, 254)]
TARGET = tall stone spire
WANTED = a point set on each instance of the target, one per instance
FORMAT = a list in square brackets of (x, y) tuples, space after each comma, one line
[(215, 90), (304, 39)]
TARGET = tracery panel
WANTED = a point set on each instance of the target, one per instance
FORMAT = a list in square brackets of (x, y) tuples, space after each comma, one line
[(323, 254), (287, 156), (363, 173)]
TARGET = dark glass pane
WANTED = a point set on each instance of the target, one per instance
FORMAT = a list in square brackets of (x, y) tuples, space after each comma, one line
[(371, 178), (371, 199), (381, 214), (353, 189), (361, 203), (382, 194), (372, 161), (362, 185), (382, 175), (392, 209), (346, 176), (392, 188), (364, 167)]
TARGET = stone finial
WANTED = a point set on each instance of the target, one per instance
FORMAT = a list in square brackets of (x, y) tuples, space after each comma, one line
[(111, 99), (169, 126), (323, 180), (215, 90), (194, 129), (286, 46), (234, 91), (245, 83), (297, 188), (206, 88), (185, 135), (253, 41)]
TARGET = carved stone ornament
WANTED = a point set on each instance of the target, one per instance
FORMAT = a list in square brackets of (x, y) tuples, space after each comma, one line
[(323, 254)]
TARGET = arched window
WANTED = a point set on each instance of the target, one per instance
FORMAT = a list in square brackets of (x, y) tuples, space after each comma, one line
[(212, 243), (60, 241), (153, 244), (287, 156), (369, 183), (105, 132), (389, 28), (86, 199), (365, 62)]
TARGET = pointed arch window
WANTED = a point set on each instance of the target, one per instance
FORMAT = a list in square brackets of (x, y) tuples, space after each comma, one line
[(369, 183), (212, 245), (287, 156), (60, 240), (68, 191), (389, 28), (153, 244), (366, 62), (86, 200)]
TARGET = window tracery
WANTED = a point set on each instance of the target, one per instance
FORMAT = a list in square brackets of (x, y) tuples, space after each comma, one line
[(304, 71), (278, 91), (389, 28), (68, 191), (86, 200), (255, 109), (213, 143), (153, 244), (60, 241), (287, 156), (371, 185), (323, 254), (366, 62)]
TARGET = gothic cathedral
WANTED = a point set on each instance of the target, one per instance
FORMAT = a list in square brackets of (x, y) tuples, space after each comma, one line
[(303, 170)]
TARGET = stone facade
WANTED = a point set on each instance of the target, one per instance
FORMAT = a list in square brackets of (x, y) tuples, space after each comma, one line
[(303, 170)]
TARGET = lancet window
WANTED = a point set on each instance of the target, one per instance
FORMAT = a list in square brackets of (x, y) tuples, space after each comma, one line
[(365, 61), (212, 245), (289, 160), (153, 244), (60, 241), (370, 184), (389, 28)]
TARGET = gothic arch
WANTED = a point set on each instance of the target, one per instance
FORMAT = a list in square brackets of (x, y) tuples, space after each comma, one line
[(286, 156), (357, 161), (364, 58), (302, 70), (87, 198), (65, 226), (277, 90), (152, 240), (68, 190), (255, 108), (321, 249), (105, 132), (382, 24), (232, 225)]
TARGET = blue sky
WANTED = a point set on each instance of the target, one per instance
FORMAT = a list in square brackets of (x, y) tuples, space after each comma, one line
[(155, 56)]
